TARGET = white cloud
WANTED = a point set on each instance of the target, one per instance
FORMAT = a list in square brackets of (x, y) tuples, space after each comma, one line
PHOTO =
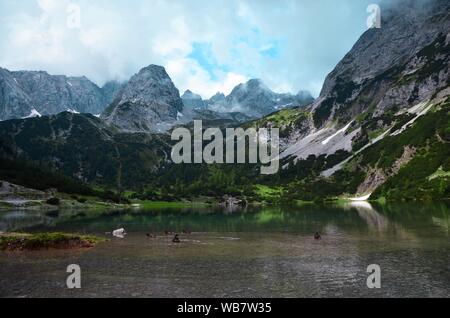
[(117, 38), (50, 5), (176, 42), (188, 74)]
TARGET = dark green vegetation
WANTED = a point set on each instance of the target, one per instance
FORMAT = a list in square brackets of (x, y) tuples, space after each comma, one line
[(112, 163), (16, 241), (84, 148), (31, 175), (287, 120), (424, 176)]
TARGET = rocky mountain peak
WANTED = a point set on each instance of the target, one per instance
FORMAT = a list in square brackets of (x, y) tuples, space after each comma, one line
[(251, 87), (305, 95), (380, 66), (218, 96), (193, 101), (254, 98), (150, 84), (148, 100), (190, 95)]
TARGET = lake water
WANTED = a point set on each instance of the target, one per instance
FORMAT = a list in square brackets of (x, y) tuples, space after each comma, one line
[(257, 252)]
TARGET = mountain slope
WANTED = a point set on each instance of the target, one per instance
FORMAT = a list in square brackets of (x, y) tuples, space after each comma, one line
[(379, 78), (84, 147), (394, 67), (149, 102), (382, 114), (26, 93)]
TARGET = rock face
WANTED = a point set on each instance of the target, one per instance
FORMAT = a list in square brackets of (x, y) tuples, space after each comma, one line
[(110, 90), (255, 99), (146, 103), (24, 93), (402, 63), (218, 98), (193, 101), (397, 69), (14, 102)]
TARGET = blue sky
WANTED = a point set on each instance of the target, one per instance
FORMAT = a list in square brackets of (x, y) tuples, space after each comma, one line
[(205, 45)]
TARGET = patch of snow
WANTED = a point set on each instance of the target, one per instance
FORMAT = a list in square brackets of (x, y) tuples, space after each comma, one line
[(314, 144), (15, 80), (412, 110), (179, 115), (328, 173), (342, 131), (73, 111), (420, 111), (417, 108), (70, 84), (361, 199), (34, 113), (98, 115)]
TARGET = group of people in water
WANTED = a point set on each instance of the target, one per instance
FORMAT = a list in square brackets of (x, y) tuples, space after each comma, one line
[(176, 238)]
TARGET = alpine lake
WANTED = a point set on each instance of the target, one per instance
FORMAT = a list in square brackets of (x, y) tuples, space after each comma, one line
[(250, 252)]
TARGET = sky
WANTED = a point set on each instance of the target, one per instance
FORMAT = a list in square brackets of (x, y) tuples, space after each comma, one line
[(206, 46)]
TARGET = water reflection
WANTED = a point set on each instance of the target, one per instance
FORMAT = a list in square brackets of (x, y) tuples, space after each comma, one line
[(405, 220), (17, 220), (257, 252), (374, 220)]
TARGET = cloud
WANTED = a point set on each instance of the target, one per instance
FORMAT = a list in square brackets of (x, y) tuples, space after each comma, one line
[(189, 74), (206, 46)]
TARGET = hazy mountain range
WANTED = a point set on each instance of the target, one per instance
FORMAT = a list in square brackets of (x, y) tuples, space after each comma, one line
[(253, 98), (148, 102), (24, 94)]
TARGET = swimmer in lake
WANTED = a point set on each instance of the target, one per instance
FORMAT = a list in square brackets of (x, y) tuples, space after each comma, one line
[(317, 236), (176, 239)]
